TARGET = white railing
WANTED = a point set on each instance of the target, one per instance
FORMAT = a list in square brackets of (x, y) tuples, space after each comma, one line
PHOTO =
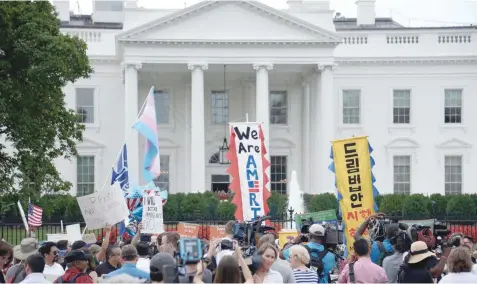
[(87, 36)]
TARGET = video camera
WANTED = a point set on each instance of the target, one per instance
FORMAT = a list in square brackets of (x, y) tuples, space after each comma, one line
[(333, 236), (190, 250)]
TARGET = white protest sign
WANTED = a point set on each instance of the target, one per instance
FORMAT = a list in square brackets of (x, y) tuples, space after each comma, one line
[(73, 232), (152, 219), (56, 237), (103, 207)]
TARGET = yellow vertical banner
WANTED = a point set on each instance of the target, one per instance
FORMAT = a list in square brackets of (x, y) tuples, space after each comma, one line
[(352, 164)]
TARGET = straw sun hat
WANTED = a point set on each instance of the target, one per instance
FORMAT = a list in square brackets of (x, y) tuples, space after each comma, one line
[(419, 252)]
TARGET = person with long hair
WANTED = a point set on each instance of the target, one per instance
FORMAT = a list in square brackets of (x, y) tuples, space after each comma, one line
[(460, 267), (264, 274), (6, 257), (228, 270)]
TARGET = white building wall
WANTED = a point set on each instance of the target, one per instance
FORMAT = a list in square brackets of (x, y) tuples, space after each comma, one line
[(374, 61)]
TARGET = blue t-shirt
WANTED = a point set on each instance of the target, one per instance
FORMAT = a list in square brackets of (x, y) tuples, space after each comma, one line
[(375, 252), (131, 270), (329, 261)]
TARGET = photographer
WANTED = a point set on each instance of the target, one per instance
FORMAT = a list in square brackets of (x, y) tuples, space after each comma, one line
[(380, 236), (318, 253), (391, 264)]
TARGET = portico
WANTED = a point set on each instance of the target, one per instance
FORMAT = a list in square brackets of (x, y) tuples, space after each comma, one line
[(279, 54)]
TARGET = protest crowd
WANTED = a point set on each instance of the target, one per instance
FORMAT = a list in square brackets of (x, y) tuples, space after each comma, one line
[(382, 252)]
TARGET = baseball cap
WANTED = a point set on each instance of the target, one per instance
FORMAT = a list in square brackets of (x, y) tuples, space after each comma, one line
[(160, 260), (76, 255), (317, 229), (78, 245)]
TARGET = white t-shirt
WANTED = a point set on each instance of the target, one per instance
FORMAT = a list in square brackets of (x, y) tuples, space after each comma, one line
[(53, 272), (462, 277), (144, 264)]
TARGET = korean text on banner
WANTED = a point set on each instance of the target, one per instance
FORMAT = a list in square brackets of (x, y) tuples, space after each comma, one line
[(152, 218), (187, 230), (354, 183), (250, 168), (103, 207)]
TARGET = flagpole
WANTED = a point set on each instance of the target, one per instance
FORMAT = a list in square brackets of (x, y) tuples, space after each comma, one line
[(125, 142)]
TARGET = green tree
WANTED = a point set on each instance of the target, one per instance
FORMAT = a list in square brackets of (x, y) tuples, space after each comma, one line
[(36, 62)]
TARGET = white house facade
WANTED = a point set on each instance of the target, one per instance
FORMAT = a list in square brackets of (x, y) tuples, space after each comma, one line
[(308, 76)]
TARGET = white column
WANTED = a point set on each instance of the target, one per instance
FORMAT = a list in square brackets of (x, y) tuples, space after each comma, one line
[(262, 107), (326, 134), (306, 151), (131, 111), (197, 147)]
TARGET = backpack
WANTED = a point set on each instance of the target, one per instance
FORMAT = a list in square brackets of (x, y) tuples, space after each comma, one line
[(59, 280), (352, 279), (316, 263), (383, 253)]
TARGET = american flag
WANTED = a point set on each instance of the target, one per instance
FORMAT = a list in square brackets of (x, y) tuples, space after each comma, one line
[(35, 214), (253, 186)]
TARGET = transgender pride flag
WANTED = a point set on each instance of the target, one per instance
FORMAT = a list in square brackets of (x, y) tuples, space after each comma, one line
[(146, 125)]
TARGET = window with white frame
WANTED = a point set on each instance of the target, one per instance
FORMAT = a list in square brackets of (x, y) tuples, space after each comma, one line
[(278, 172), (162, 181), (161, 99), (402, 174), (220, 107), (453, 106), (351, 107), (278, 107), (84, 175), (85, 105), (453, 175), (401, 106)]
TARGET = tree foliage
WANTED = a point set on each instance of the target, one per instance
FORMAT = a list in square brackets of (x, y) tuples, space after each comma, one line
[(36, 62)]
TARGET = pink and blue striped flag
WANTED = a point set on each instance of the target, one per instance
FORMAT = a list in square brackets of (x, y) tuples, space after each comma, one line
[(146, 125)]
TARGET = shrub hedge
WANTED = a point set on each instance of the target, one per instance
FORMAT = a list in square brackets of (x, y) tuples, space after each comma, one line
[(179, 207), (207, 206)]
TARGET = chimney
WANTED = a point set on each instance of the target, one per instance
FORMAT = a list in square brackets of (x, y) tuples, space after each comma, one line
[(366, 12), (63, 9)]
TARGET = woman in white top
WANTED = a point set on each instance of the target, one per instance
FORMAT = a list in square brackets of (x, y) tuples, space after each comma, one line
[(264, 273), (460, 265), (299, 259)]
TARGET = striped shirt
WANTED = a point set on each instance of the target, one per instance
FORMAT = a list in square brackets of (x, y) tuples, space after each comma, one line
[(305, 276)]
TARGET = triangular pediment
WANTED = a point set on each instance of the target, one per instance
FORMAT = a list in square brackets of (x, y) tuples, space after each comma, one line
[(402, 142), (230, 21), (454, 143), (90, 143)]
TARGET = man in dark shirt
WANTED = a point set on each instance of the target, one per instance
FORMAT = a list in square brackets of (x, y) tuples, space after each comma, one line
[(113, 262)]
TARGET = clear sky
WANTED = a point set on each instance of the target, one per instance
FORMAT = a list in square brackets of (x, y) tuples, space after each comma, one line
[(406, 12)]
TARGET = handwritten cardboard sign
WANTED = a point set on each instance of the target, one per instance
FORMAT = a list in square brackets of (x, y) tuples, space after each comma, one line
[(103, 207), (187, 230), (217, 232), (152, 218)]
